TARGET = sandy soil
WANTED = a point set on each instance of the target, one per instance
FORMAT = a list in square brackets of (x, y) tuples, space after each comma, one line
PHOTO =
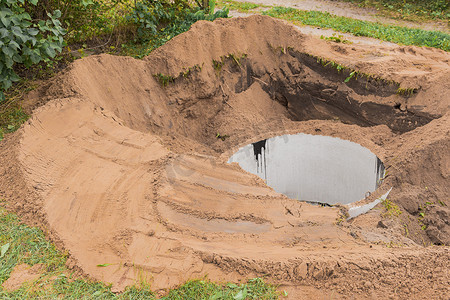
[(122, 170)]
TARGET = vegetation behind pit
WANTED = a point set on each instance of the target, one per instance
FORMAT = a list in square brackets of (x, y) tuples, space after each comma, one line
[(390, 33), (413, 10)]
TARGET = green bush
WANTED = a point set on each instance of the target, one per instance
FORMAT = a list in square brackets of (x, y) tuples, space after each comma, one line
[(167, 19), (25, 41)]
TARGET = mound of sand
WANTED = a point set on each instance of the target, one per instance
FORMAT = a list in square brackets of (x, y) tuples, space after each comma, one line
[(122, 164)]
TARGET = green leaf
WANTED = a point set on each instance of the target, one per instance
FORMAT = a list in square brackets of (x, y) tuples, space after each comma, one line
[(350, 77), (35, 56), (14, 45), (86, 3), (3, 249), (34, 2), (9, 52), (57, 14), (4, 32), (241, 295), (11, 127), (49, 51), (103, 265), (6, 21), (8, 61), (32, 31), (6, 83), (216, 296), (18, 59)]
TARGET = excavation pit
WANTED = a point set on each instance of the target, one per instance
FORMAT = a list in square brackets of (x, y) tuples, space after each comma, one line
[(124, 164), (313, 168)]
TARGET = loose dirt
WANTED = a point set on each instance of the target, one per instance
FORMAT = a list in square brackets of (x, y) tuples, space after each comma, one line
[(123, 170)]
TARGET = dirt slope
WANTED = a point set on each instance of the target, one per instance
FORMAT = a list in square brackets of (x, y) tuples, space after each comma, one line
[(124, 170)]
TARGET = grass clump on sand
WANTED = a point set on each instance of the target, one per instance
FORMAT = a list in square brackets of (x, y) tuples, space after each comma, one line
[(21, 244)]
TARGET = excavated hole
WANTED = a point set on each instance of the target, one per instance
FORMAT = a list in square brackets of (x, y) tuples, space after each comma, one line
[(313, 168)]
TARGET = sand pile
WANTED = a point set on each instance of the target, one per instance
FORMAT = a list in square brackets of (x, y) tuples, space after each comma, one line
[(122, 164)]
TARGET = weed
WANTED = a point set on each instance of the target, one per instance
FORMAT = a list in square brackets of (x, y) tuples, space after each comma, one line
[(406, 92), (392, 209), (406, 230), (164, 80), (279, 49), (421, 217), (336, 38), (187, 72), (222, 137), (218, 65), (235, 58), (340, 220), (352, 72)]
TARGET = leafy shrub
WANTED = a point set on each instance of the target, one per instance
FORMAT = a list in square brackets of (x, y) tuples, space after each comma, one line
[(167, 18), (25, 41), (84, 19)]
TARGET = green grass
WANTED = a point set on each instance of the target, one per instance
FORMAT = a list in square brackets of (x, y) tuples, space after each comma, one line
[(390, 33), (11, 118), (392, 209), (243, 7), (21, 244), (418, 10)]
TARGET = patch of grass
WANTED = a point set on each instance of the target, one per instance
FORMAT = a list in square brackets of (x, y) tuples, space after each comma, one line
[(390, 33), (164, 80), (235, 58), (392, 209), (26, 245), (11, 113), (218, 65), (336, 38), (189, 71), (21, 244), (201, 289), (418, 10), (243, 7), (11, 117), (407, 92), (354, 74)]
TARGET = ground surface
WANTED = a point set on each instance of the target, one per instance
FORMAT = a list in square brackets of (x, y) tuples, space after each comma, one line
[(350, 10), (126, 171)]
